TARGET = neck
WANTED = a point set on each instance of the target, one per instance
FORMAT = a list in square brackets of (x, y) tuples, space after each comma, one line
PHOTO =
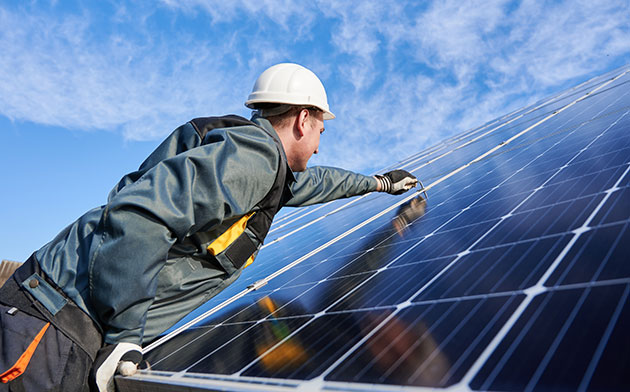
[(289, 143)]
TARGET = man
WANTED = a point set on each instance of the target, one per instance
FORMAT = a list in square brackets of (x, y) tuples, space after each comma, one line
[(172, 235)]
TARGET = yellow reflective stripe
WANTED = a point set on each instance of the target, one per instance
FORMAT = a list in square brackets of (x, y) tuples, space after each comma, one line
[(224, 240), (249, 261)]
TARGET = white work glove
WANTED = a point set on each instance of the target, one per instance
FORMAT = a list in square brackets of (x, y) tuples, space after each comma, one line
[(122, 358), (396, 182)]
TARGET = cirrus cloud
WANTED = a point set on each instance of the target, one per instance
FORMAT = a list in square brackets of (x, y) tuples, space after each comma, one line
[(400, 75)]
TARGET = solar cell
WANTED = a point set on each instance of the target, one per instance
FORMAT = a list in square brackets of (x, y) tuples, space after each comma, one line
[(514, 275)]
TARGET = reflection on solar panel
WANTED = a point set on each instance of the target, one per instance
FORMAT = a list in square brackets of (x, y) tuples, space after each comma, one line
[(514, 275)]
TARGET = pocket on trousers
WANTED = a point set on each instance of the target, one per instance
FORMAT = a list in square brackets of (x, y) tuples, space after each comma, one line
[(47, 360)]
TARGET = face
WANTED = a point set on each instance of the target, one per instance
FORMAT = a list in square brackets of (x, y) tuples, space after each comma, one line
[(309, 144)]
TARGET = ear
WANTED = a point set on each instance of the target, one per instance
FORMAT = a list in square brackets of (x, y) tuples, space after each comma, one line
[(301, 120)]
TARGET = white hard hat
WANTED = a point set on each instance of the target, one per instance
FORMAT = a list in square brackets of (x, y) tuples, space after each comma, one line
[(289, 84)]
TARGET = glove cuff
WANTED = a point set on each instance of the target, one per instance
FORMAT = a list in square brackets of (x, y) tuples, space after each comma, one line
[(385, 183), (107, 362)]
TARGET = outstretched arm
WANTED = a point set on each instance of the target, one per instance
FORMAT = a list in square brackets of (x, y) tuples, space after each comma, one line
[(320, 184)]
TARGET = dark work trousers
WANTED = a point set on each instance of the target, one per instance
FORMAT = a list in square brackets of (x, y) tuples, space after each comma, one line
[(42, 350)]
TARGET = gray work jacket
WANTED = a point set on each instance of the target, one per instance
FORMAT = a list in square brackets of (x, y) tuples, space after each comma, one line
[(129, 264)]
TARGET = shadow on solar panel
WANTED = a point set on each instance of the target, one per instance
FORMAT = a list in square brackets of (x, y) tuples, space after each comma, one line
[(513, 275)]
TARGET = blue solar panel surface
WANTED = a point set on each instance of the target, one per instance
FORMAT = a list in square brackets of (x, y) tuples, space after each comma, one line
[(514, 275)]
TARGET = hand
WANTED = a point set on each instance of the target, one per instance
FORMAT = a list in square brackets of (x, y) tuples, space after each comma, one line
[(396, 182), (122, 358)]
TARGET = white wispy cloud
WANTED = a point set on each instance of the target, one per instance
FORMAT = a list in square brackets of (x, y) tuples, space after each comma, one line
[(482, 60), (558, 42), (54, 71), (292, 16), (400, 75)]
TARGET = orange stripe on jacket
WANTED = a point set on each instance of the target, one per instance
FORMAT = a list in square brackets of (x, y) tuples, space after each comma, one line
[(20, 366)]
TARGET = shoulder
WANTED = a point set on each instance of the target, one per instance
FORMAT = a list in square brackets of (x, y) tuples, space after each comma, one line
[(248, 140)]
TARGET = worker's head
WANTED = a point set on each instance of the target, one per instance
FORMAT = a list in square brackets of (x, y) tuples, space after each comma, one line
[(299, 129), (294, 101)]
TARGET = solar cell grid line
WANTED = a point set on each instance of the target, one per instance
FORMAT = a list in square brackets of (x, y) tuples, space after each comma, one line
[(467, 207), (427, 152), (587, 84), (522, 332), (309, 223), (494, 134), (588, 375), (598, 78), (596, 256), (300, 214), (517, 359), (254, 340), (494, 270), (536, 289), (246, 367), (585, 110), (571, 188), (450, 172), (618, 207), (556, 342), (289, 215), (256, 285), (566, 148)]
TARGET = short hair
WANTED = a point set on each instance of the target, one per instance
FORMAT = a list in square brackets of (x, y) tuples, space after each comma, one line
[(282, 119)]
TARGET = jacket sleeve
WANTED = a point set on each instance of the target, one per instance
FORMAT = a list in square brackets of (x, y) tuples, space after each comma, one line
[(195, 190), (320, 184)]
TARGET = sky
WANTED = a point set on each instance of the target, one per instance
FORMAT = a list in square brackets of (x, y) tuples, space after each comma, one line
[(89, 88)]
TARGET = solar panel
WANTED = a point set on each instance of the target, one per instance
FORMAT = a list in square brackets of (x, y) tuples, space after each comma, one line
[(513, 275)]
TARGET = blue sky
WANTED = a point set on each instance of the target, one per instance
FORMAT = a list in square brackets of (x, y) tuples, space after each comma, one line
[(88, 88)]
